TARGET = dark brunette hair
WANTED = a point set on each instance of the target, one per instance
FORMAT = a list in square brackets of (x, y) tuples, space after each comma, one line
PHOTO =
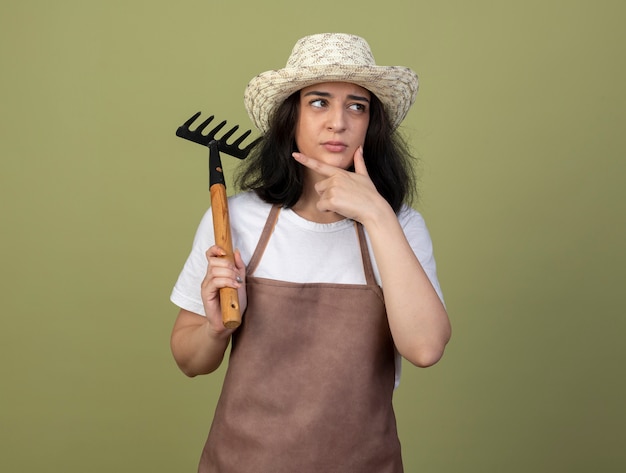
[(277, 178)]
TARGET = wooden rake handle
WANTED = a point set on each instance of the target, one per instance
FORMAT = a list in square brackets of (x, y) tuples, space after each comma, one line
[(229, 299)]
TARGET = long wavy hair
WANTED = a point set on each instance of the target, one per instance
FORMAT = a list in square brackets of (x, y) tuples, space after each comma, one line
[(272, 173)]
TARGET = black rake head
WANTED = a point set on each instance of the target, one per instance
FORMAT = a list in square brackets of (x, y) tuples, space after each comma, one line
[(198, 136)]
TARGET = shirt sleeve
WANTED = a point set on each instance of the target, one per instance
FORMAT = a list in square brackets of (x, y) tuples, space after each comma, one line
[(186, 292)]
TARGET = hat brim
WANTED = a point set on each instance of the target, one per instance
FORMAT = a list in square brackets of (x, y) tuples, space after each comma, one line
[(395, 86)]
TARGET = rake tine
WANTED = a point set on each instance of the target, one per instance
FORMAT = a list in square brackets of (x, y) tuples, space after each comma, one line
[(229, 133), (214, 131), (247, 149), (239, 140), (204, 124), (188, 123), (234, 148)]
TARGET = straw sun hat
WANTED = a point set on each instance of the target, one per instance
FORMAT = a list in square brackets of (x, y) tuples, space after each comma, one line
[(331, 57)]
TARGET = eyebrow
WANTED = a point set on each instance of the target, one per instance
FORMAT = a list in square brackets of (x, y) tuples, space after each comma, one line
[(328, 94)]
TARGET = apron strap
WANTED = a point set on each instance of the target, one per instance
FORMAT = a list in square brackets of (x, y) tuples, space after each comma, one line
[(270, 223), (365, 254)]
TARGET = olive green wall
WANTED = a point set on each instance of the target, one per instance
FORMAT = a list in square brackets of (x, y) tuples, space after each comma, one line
[(520, 127)]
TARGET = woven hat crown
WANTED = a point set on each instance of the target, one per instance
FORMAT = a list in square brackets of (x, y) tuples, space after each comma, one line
[(329, 48)]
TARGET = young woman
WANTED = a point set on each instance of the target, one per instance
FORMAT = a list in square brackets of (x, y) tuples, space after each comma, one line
[(334, 270)]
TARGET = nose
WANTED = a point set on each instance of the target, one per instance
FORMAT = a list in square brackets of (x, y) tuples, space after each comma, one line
[(336, 119)]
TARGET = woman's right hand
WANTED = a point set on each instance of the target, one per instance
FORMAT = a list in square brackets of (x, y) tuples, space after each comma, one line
[(222, 273)]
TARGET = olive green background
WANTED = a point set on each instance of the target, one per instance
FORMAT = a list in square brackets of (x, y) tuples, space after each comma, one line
[(520, 129)]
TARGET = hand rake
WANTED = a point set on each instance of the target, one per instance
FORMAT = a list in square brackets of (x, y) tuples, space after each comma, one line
[(229, 301)]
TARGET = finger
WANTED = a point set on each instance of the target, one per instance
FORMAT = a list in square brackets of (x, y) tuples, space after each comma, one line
[(215, 252), (217, 278), (241, 267), (359, 162), (217, 256), (315, 165), (238, 260)]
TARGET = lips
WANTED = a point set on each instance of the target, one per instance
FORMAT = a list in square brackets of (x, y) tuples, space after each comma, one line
[(334, 146)]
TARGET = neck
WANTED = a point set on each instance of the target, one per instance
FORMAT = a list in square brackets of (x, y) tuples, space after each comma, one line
[(306, 207)]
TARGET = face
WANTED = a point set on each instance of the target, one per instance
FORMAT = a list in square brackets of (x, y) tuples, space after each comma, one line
[(332, 121)]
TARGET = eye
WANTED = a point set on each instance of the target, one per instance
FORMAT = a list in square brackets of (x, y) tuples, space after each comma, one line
[(358, 107), (318, 103)]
